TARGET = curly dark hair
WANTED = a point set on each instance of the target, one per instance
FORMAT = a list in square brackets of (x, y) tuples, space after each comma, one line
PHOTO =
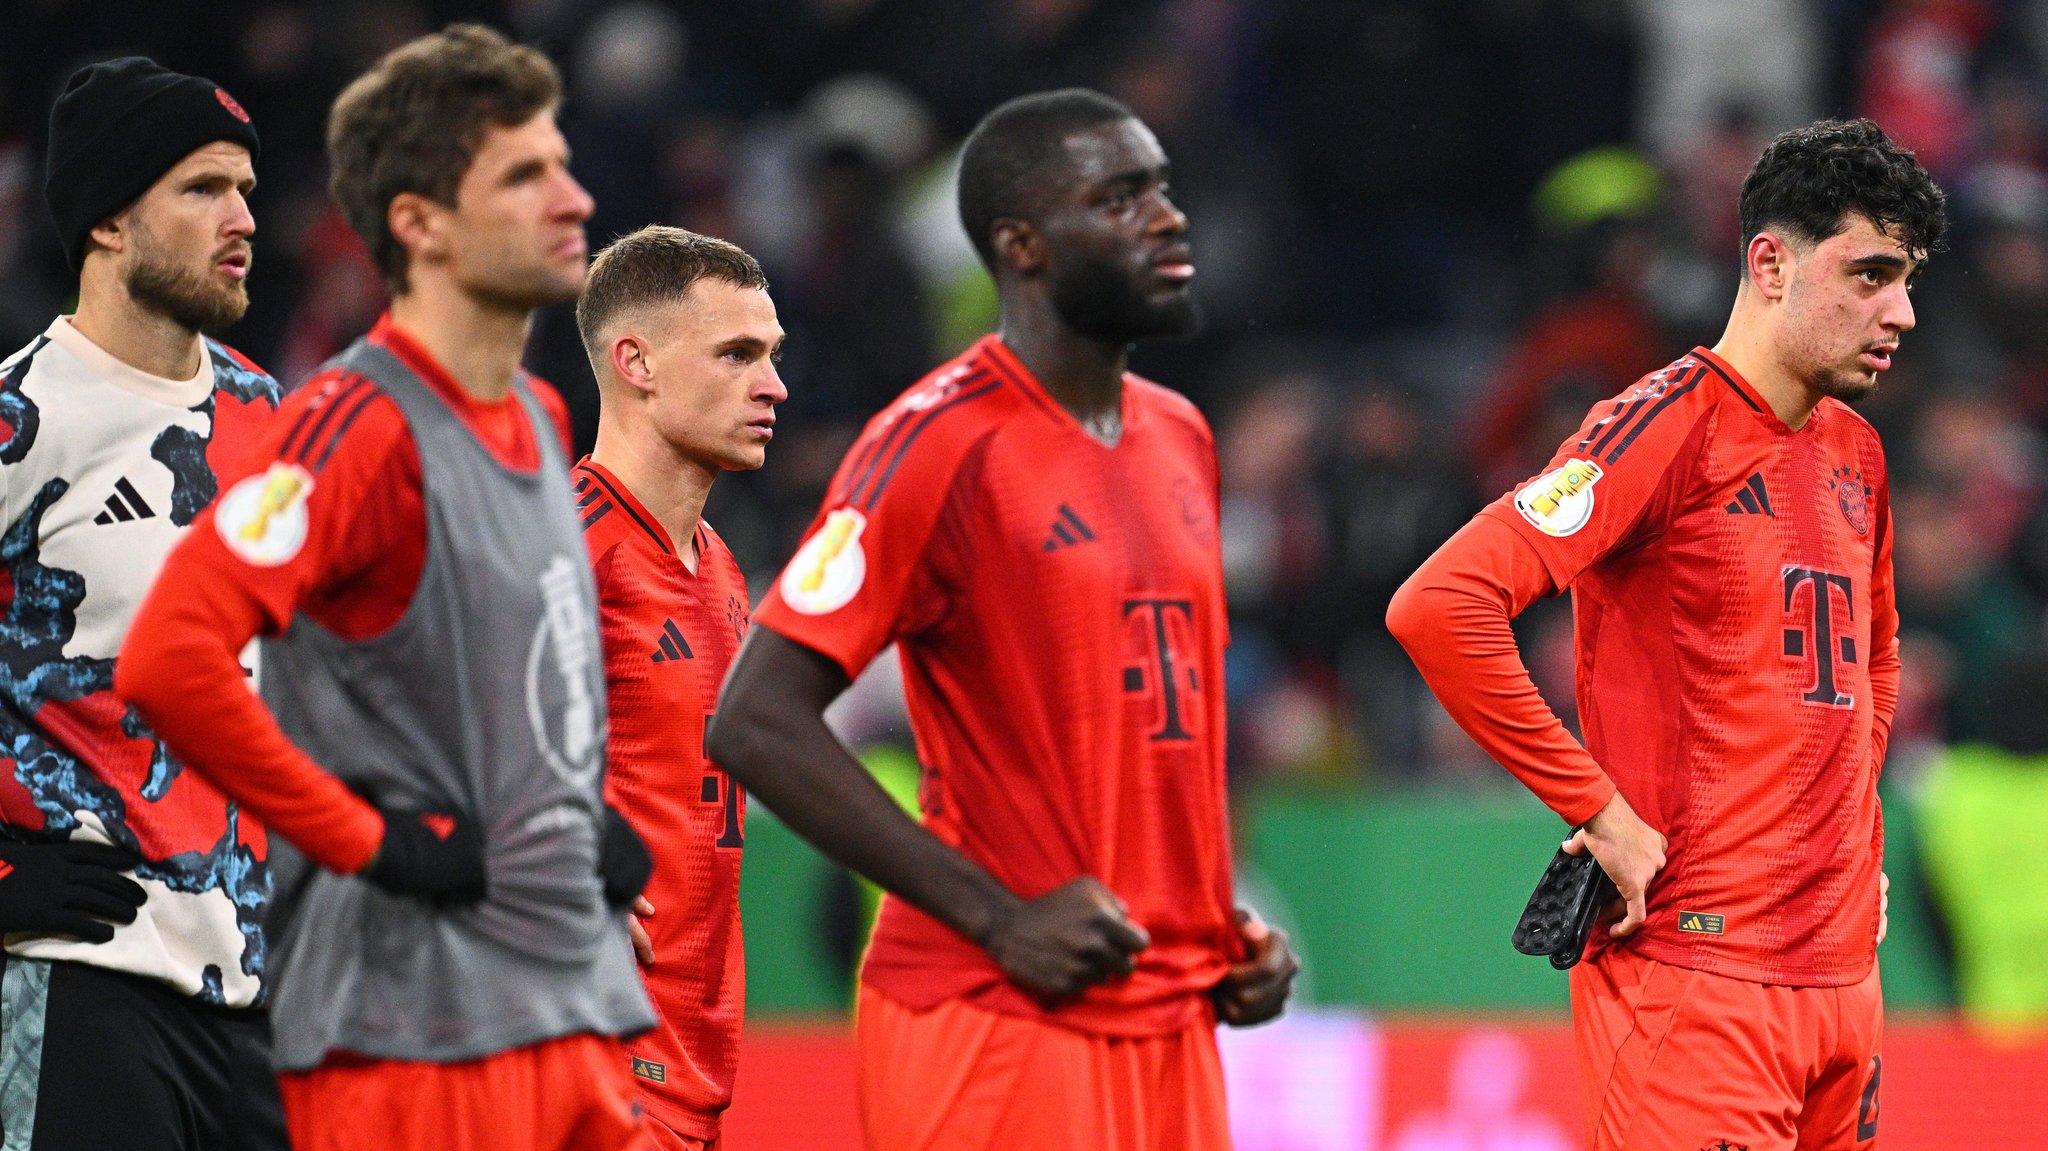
[(1811, 180), (1013, 157)]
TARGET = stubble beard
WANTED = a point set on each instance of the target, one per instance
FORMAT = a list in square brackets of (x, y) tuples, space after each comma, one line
[(1846, 386), (186, 297)]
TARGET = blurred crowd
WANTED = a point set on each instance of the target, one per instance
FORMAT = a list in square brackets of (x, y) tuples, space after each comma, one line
[(1430, 235)]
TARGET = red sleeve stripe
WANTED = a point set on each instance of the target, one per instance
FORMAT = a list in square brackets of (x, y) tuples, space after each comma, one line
[(1739, 393), (1673, 396), (618, 500), (1626, 409), (341, 428), (872, 455), (881, 483), (317, 412)]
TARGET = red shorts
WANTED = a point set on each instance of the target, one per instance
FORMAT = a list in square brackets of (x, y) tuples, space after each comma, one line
[(1672, 1059), (959, 1076), (567, 1094)]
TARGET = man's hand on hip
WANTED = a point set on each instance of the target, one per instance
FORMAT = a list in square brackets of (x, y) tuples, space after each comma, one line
[(74, 888), (1630, 851), (437, 855)]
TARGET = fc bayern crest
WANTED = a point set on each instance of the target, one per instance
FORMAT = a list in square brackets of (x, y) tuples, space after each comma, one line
[(1852, 495)]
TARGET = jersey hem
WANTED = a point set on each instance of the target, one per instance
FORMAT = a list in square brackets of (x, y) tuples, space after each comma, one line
[(680, 1119), (922, 991), (1709, 964)]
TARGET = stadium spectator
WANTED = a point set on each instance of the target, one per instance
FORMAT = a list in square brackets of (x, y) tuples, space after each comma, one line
[(1037, 530), (452, 967), (117, 421), (1725, 530)]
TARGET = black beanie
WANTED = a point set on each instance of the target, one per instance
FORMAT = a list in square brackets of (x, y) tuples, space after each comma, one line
[(118, 127)]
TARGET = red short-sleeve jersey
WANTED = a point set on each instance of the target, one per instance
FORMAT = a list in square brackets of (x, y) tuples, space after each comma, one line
[(669, 635), (1737, 659), (1058, 607)]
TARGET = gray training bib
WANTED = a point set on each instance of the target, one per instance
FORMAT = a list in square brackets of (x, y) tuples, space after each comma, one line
[(488, 693)]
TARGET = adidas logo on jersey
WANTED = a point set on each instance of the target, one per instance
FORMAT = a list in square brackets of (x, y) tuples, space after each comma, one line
[(124, 505), (1069, 529), (671, 644), (1751, 499)]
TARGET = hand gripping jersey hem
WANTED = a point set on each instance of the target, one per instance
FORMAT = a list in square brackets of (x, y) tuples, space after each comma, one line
[(923, 989)]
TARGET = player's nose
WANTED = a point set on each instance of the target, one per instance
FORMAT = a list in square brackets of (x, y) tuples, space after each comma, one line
[(1898, 313), (576, 202)]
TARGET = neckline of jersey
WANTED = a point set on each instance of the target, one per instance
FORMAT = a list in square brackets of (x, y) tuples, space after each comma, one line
[(183, 394), (655, 531), (386, 334), (1750, 397), (1003, 359)]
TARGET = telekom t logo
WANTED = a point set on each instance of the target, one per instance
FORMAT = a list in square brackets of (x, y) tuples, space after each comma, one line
[(1816, 592), (1159, 637)]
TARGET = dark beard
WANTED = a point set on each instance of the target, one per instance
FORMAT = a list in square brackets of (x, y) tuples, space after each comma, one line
[(1847, 388), (1098, 300), (183, 296)]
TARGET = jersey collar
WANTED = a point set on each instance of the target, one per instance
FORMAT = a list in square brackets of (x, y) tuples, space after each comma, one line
[(129, 378), (998, 355), (630, 504), (1742, 388), (414, 355)]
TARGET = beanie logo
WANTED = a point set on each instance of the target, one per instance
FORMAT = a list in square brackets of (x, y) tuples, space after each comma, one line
[(228, 102)]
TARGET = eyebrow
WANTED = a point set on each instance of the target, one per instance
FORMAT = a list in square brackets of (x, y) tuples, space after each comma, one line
[(1880, 260), (524, 169), (750, 343), (1160, 172)]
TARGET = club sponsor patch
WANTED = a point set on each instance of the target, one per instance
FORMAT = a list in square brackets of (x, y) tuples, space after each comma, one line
[(1560, 502), (650, 1070), (1700, 923), (829, 569), (263, 518)]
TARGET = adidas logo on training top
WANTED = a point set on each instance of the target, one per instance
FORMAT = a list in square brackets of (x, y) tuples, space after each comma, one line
[(1067, 531), (1751, 499), (672, 644), (134, 507)]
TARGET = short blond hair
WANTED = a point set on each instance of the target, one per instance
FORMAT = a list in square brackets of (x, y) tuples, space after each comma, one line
[(656, 264)]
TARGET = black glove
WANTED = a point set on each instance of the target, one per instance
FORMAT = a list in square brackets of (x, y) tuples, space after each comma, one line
[(623, 861), (73, 888), (438, 855)]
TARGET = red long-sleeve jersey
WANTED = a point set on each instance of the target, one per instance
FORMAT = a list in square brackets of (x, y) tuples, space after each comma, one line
[(1737, 659)]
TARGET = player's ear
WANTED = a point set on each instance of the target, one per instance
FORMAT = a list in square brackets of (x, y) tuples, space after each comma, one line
[(631, 362), (1768, 264), (112, 232), (1019, 245), (416, 223)]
